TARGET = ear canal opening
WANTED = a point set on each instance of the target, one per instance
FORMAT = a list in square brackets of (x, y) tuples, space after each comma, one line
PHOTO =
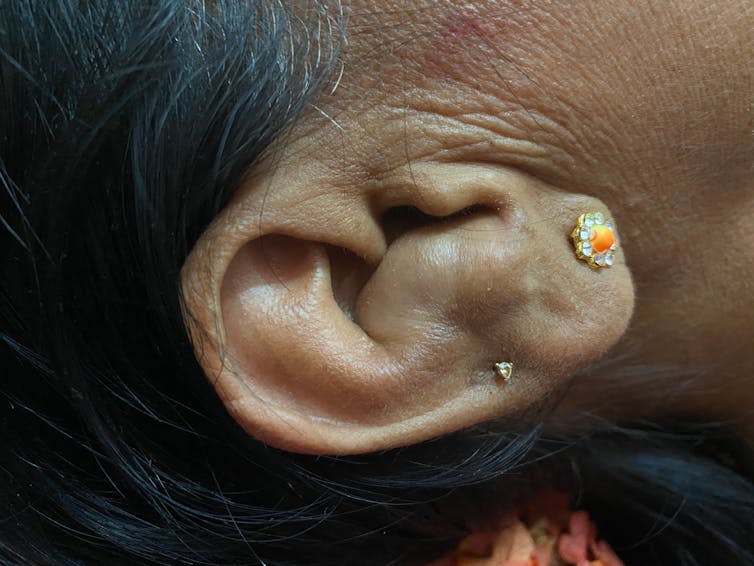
[(349, 273), (401, 219)]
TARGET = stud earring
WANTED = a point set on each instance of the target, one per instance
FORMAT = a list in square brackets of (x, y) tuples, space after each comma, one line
[(504, 370), (594, 240)]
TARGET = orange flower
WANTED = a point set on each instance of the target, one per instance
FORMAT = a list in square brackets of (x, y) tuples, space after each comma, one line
[(577, 545), (532, 538), (511, 546)]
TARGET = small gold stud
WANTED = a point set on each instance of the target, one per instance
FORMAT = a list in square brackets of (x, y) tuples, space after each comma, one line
[(504, 370)]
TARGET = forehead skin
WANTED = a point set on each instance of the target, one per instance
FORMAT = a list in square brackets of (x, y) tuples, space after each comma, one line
[(610, 94)]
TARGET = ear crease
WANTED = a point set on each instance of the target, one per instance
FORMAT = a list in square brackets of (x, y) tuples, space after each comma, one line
[(349, 274)]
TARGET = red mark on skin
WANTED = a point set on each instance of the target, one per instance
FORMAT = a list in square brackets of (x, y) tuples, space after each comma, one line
[(464, 27), (478, 37), (458, 43)]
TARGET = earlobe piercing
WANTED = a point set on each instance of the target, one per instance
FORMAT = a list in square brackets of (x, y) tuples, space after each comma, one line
[(594, 240), (504, 370)]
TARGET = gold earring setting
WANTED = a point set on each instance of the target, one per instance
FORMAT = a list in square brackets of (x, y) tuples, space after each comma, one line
[(594, 240), (504, 370)]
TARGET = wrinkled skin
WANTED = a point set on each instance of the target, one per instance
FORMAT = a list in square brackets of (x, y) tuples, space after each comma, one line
[(542, 110)]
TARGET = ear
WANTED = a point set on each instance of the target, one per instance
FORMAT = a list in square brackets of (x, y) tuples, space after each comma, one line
[(339, 320)]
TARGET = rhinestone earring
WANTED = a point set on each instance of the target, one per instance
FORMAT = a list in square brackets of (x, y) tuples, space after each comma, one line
[(504, 370), (594, 240)]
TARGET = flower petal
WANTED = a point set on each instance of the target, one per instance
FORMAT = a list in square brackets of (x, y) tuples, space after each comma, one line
[(606, 555)]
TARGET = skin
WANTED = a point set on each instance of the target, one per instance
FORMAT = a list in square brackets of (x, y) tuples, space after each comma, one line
[(648, 107), (642, 109)]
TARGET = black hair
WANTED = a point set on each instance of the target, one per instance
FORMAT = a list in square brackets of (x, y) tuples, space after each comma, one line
[(125, 128)]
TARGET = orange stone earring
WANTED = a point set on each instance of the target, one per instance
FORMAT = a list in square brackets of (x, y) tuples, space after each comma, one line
[(594, 240)]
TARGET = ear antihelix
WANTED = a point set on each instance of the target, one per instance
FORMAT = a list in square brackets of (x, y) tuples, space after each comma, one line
[(276, 259), (289, 338), (349, 273)]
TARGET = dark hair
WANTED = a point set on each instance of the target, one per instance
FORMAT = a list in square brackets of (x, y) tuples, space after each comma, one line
[(125, 128)]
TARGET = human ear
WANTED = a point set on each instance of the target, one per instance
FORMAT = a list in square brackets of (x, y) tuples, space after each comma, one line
[(336, 319)]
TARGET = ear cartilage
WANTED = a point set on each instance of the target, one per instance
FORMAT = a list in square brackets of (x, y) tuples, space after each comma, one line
[(594, 240), (504, 370)]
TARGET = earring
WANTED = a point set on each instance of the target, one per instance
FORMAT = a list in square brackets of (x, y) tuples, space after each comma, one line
[(504, 370), (594, 240)]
